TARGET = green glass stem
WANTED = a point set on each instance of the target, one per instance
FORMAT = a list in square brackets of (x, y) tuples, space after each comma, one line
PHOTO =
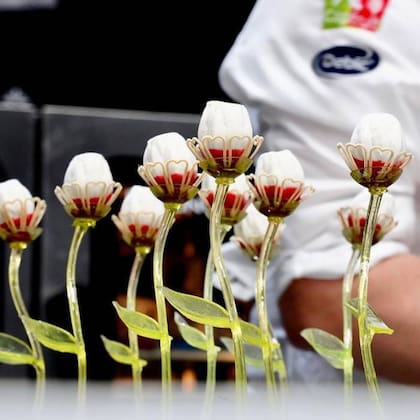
[(136, 367), (81, 226), (208, 329), (348, 318), (16, 251), (165, 340), (215, 221), (261, 301), (365, 334)]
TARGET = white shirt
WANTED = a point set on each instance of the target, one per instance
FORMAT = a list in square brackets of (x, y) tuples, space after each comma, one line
[(309, 95)]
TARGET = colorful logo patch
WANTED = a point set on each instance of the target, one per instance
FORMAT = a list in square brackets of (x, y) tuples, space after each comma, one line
[(345, 60), (364, 14)]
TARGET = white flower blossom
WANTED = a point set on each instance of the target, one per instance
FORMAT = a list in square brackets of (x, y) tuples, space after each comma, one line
[(224, 119), (379, 129), (12, 196), (277, 166), (88, 189), (168, 152)]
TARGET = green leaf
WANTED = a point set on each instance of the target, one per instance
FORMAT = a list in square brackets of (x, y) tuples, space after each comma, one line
[(51, 336), (253, 355), (120, 352), (353, 305), (328, 346), (193, 336), (374, 322), (14, 351), (198, 309), (139, 323), (251, 333)]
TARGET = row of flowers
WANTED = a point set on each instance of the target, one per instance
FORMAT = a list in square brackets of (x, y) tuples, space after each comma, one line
[(255, 205)]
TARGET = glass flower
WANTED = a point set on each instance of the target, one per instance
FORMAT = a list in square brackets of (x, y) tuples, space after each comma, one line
[(170, 169), (278, 183), (88, 190), (20, 213), (238, 198), (250, 232), (225, 145), (376, 153), (140, 217), (353, 218)]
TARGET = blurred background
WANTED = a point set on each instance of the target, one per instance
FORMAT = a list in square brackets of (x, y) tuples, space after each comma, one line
[(104, 76)]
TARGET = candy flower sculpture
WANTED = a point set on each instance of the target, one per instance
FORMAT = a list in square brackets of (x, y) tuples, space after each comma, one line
[(20, 215), (225, 148), (250, 232), (279, 187), (353, 220), (138, 222), (238, 197), (376, 157), (86, 194), (249, 235), (171, 171), (237, 201)]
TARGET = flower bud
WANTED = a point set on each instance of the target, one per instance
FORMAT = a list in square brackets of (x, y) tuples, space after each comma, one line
[(354, 217), (141, 199), (278, 183), (278, 166), (224, 119), (238, 197), (88, 169), (376, 153), (170, 168), (250, 232), (168, 147), (379, 129), (88, 189), (140, 216), (225, 146), (20, 213), (14, 195)]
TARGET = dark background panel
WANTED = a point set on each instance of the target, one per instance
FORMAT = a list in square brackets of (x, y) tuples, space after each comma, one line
[(154, 55)]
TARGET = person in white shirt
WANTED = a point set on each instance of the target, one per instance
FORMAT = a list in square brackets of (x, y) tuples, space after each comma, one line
[(308, 71)]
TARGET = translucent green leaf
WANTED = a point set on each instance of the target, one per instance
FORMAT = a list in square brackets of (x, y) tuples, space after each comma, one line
[(198, 309), (327, 345), (374, 322), (193, 336), (253, 355), (251, 333), (139, 323), (353, 305), (120, 352), (51, 336), (14, 351)]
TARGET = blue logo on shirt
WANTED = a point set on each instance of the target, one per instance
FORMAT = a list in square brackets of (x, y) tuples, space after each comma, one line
[(345, 60)]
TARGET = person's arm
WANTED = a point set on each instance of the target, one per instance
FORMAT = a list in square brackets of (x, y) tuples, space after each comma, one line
[(394, 293)]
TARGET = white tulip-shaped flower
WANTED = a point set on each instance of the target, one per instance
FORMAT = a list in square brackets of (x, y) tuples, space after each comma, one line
[(238, 198), (353, 217), (376, 153), (140, 217), (223, 119), (225, 145), (249, 233), (20, 213), (88, 189), (170, 169), (278, 183)]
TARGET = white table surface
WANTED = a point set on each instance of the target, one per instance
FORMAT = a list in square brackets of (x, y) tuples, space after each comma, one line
[(116, 400)]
